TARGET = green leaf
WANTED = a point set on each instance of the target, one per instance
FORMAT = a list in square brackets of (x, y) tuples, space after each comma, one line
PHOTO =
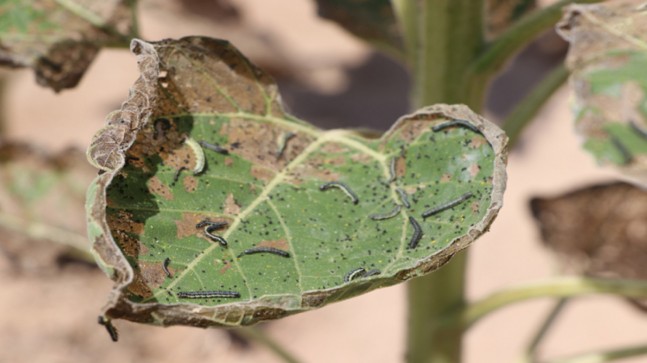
[(608, 58), (270, 188), (60, 38), (372, 20)]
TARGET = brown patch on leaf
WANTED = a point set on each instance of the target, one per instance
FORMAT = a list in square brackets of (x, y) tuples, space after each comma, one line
[(124, 231), (160, 138), (190, 183), (474, 170), (281, 244), (123, 221), (256, 141), (446, 178), (231, 207), (139, 287), (475, 206), (155, 186), (228, 161), (226, 265), (477, 142), (182, 156), (400, 167), (128, 244), (410, 130), (337, 160), (186, 226), (313, 168), (152, 274), (262, 173)]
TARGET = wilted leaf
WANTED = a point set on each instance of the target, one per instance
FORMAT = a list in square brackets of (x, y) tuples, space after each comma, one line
[(60, 38), (608, 58), (264, 180), (41, 199), (372, 20), (601, 230)]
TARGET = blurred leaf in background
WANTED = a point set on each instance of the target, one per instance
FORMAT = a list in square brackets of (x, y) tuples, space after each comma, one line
[(60, 38), (607, 58), (42, 201), (598, 230)]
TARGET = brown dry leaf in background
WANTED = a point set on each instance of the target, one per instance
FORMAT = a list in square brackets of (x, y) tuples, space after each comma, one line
[(59, 39), (600, 230)]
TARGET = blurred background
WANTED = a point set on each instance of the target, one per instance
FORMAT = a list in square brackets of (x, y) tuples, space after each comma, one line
[(49, 305)]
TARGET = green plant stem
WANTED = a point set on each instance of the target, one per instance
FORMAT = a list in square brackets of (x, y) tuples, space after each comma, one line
[(526, 110), (509, 43), (605, 356), (562, 287), (257, 335), (530, 355), (442, 37), (429, 299)]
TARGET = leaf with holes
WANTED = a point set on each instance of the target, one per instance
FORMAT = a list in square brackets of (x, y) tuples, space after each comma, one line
[(216, 207), (608, 58), (60, 38)]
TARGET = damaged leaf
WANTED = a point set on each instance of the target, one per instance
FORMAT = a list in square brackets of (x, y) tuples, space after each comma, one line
[(608, 58), (216, 207), (60, 38), (600, 230)]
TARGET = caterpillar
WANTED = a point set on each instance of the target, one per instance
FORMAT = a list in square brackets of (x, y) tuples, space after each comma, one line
[(214, 147), (417, 233), (353, 274), (272, 250), (456, 122), (207, 294), (343, 187), (391, 214), (450, 204)]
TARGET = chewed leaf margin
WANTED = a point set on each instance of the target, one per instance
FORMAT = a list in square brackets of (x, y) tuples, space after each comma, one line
[(108, 152)]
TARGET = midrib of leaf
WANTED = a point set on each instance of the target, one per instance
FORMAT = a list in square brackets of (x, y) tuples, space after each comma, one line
[(338, 136)]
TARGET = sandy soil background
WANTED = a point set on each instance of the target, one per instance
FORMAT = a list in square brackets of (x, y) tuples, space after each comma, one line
[(335, 81)]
